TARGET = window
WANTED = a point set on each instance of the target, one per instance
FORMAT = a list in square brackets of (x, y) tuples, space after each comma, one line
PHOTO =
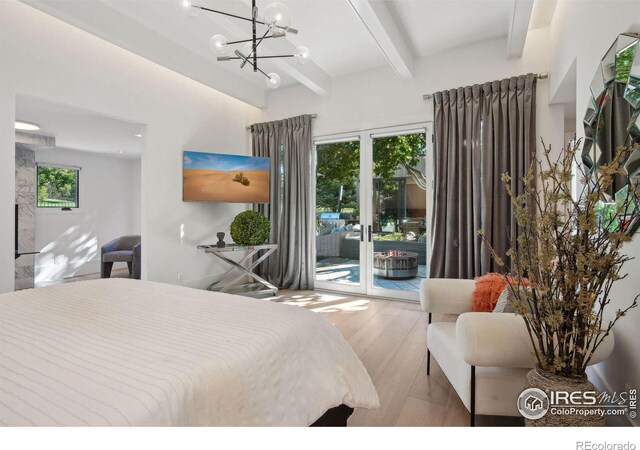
[(58, 186)]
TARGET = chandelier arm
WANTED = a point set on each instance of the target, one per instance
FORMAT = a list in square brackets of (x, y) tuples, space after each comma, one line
[(276, 56), (246, 60), (261, 71), (247, 40), (260, 41), (254, 15), (259, 57), (248, 19), (264, 36)]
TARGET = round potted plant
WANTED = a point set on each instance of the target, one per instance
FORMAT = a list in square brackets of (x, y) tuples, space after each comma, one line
[(250, 228), (568, 256)]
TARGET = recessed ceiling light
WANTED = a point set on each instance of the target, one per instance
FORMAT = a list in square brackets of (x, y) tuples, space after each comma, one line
[(138, 135), (121, 152), (26, 126)]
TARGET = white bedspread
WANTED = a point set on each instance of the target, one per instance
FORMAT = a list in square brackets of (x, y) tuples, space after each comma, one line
[(123, 352)]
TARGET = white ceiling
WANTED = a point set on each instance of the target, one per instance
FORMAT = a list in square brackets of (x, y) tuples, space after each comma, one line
[(434, 26), (344, 36), (78, 129)]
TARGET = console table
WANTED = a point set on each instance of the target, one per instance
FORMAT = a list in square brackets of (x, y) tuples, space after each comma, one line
[(260, 287)]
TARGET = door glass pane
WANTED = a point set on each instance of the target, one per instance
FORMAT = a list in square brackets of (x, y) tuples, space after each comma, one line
[(399, 212), (338, 213)]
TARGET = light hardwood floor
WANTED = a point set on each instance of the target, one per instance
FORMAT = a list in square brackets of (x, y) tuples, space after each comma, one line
[(115, 273), (390, 338)]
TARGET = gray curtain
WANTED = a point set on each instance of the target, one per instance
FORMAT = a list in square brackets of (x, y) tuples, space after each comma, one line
[(480, 132), (288, 144), (457, 162)]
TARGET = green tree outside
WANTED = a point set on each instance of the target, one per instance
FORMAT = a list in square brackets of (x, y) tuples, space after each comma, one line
[(57, 186), (338, 164)]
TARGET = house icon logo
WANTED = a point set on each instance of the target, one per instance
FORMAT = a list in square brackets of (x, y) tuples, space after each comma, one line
[(533, 403)]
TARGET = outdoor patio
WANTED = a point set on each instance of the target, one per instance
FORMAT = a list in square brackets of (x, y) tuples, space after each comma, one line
[(347, 271)]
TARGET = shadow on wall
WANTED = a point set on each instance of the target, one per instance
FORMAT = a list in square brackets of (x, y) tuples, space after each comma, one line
[(69, 253)]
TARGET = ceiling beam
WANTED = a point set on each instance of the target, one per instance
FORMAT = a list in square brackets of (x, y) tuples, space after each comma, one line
[(519, 27), (378, 20), (310, 74)]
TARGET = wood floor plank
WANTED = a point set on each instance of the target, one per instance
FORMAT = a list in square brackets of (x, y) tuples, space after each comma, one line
[(364, 338), (388, 342), (394, 379), (432, 388), (373, 315), (417, 412)]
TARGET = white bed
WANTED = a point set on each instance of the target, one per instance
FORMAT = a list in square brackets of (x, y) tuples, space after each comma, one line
[(123, 352)]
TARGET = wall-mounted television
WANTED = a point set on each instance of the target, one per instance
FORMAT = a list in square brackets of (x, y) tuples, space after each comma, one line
[(216, 177)]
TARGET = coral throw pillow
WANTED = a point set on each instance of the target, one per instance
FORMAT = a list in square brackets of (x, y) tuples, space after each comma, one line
[(487, 291)]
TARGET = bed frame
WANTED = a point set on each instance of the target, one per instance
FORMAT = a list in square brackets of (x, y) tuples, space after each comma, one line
[(334, 417)]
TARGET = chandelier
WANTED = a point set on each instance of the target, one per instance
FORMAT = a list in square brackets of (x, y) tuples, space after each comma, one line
[(274, 23)]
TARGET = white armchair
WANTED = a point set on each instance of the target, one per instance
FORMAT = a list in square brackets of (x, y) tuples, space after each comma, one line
[(484, 355)]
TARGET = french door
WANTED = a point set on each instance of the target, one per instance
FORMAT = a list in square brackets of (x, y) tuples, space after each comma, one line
[(373, 207)]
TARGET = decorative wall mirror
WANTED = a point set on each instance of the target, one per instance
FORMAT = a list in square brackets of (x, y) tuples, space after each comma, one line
[(612, 118)]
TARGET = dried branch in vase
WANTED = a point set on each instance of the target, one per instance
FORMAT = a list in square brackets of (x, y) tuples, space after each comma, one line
[(571, 254)]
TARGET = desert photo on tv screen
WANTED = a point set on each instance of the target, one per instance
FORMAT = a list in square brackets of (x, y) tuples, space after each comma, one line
[(215, 177)]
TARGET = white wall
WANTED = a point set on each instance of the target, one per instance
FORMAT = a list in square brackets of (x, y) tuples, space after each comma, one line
[(45, 58), (109, 193), (583, 31), (378, 98), (135, 174)]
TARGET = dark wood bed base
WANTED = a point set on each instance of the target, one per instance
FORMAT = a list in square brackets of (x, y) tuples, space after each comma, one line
[(334, 417)]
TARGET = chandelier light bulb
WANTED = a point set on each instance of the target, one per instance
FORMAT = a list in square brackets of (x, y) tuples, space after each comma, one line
[(277, 15), (273, 82), (218, 44), (187, 9), (301, 54)]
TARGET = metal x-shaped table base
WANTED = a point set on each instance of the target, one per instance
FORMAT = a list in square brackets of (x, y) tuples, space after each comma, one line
[(245, 268)]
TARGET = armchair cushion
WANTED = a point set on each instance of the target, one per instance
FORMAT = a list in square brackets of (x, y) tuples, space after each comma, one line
[(447, 296), (501, 340), (494, 385), (494, 340), (118, 256)]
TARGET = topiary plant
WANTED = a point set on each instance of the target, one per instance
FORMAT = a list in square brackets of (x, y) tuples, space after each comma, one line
[(250, 228)]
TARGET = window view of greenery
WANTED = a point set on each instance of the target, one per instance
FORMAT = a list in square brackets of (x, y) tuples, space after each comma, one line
[(399, 187), (57, 187), (399, 205)]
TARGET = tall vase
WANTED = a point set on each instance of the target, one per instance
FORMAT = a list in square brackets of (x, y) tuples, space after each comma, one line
[(548, 382)]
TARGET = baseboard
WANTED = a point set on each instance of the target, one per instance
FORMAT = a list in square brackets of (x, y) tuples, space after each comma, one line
[(600, 382), (68, 270), (200, 283)]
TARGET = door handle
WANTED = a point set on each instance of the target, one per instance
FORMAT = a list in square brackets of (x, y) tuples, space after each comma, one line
[(370, 232), (361, 233)]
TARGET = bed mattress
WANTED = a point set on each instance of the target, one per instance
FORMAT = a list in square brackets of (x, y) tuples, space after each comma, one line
[(133, 353)]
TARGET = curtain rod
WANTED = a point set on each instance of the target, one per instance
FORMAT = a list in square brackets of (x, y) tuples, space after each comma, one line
[(313, 116), (539, 76)]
